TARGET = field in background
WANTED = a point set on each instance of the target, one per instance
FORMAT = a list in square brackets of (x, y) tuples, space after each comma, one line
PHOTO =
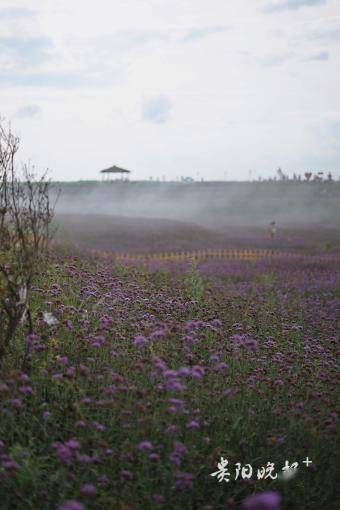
[(158, 217), (124, 234)]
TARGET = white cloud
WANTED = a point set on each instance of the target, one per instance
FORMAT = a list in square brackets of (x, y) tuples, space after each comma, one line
[(292, 5), (197, 34), (156, 109), (331, 33), (10, 13), (28, 111), (321, 56)]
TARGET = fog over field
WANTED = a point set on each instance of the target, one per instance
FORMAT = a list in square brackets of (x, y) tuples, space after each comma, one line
[(208, 204), (147, 216)]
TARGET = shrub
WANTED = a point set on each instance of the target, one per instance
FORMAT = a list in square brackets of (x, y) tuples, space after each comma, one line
[(25, 216), (193, 283)]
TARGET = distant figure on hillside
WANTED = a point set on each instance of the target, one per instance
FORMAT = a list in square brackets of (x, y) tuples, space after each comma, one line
[(272, 229)]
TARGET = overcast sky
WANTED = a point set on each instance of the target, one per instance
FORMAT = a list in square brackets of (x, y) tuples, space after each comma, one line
[(173, 87)]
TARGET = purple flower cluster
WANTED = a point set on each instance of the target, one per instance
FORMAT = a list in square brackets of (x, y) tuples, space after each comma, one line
[(136, 392)]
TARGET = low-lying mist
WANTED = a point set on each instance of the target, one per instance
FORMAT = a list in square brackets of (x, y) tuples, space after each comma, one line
[(143, 216), (209, 204)]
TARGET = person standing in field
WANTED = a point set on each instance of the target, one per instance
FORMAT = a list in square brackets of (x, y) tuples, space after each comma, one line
[(272, 230)]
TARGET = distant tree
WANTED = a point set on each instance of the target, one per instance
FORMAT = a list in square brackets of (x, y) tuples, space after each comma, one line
[(280, 174), (308, 176), (25, 216)]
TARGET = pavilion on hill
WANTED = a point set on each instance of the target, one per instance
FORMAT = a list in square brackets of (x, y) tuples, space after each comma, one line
[(107, 173)]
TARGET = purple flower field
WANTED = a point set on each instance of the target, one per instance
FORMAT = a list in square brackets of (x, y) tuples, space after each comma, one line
[(148, 376)]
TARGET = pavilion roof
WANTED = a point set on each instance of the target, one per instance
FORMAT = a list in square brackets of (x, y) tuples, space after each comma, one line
[(115, 170)]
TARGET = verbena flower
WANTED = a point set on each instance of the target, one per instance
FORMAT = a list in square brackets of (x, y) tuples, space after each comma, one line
[(140, 340), (265, 501), (145, 445), (184, 481), (72, 505), (88, 490)]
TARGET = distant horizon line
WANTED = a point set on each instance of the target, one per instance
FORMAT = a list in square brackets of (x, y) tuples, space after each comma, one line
[(173, 181)]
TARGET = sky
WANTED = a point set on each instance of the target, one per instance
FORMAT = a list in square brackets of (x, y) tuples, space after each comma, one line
[(220, 90)]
